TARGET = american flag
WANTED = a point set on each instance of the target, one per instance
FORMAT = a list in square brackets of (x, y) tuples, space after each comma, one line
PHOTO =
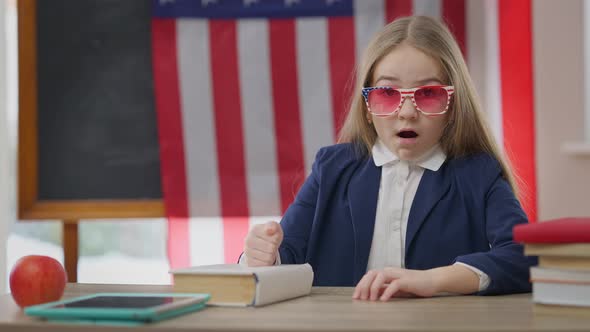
[(248, 90)]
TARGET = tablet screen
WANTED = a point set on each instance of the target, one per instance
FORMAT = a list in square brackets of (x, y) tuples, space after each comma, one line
[(121, 302)]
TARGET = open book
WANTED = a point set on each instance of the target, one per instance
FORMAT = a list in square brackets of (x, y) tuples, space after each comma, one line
[(239, 285)]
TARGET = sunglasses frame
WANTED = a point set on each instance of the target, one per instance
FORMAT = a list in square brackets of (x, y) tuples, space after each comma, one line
[(405, 93)]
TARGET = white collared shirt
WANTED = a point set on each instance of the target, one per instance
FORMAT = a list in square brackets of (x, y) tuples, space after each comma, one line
[(399, 183)]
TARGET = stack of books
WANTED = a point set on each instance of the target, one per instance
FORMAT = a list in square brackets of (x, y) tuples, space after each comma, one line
[(561, 281)]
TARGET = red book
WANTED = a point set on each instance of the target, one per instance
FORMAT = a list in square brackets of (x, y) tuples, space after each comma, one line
[(564, 230)]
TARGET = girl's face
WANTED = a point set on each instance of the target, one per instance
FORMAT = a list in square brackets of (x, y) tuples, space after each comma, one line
[(408, 133)]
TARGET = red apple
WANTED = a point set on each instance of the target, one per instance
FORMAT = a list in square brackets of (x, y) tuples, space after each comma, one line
[(37, 279)]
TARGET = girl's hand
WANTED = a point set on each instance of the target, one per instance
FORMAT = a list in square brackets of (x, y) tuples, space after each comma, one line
[(262, 244), (389, 282)]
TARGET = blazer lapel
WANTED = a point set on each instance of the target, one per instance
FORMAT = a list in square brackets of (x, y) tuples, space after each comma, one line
[(432, 187), (363, 192)]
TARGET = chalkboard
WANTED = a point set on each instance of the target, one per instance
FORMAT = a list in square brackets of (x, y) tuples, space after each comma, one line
[(88, 125), (97, 122)]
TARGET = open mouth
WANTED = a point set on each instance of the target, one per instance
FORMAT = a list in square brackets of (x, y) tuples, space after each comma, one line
[(407, 134)]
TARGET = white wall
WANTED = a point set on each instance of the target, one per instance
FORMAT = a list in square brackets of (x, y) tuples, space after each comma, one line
[(4, 200), (8, 105), (563, 179)]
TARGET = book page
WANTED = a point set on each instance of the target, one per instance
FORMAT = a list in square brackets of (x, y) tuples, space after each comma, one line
[(222, 269), (282, 282)]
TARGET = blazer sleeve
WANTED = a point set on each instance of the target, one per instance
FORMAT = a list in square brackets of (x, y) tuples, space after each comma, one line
[(505, 262), (298, 220)]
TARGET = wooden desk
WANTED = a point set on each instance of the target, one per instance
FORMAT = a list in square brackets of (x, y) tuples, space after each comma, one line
[(329, 309)]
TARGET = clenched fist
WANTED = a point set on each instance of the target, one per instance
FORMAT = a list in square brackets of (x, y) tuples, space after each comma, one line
[(262, 244)]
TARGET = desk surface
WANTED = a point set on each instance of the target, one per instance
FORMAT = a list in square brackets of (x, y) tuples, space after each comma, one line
[(329, 309)]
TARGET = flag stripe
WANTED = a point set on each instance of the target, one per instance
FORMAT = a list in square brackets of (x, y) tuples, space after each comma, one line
[(235, 230), (484, 60), (206, 241), (228, 118), (492, 79), (342, 60), (493, 90), (475, 38), (314, 86), (368, 19), (454, 14), (517, 94), (286, 107), (261, 165), (172, 161), (428, 7), (197, 117), (397, 8), (228, 127), (205, 234)]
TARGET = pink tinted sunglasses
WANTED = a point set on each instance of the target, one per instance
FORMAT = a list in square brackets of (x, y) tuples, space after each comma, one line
[(428, 100)]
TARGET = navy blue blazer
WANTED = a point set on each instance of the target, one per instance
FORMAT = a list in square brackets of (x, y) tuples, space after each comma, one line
[(464, 212)]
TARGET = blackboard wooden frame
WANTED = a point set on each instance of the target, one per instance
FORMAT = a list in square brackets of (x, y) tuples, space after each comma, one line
[(30, 207)]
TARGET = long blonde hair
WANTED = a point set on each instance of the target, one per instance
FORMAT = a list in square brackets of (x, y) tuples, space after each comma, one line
[(467, 132)]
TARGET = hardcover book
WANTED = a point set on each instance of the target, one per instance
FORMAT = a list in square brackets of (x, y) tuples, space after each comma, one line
[(239, 285), (564, 230)]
